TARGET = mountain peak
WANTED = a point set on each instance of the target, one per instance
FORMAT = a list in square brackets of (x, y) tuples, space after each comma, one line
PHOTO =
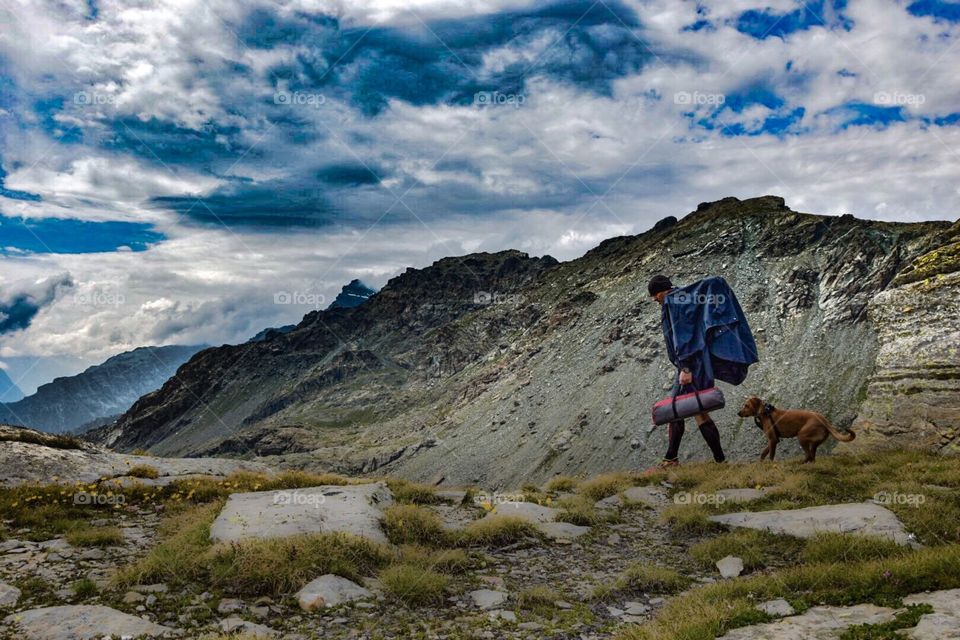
[(352, 295)]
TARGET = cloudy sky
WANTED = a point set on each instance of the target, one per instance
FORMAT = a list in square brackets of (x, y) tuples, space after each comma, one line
[(169, 167)]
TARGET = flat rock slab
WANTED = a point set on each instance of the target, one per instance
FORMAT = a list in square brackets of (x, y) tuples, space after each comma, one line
[(860, 518), (818, 623), (330, 591), (81, 622), (826, 623), (649, 496), (352, 509), (946, 601), (562, 530), (944, 623), (529, 511), (935, 626)]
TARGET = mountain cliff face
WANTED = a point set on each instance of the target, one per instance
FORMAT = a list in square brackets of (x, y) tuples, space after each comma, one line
[(914, 394), (98, 393), (502, 368)]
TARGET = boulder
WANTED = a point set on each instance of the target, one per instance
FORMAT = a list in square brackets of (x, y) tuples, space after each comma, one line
[(778, 608), (859, 518), (329, 591), (354, 509), (81, 622), (9, 595), (488, 598), (730, 567)]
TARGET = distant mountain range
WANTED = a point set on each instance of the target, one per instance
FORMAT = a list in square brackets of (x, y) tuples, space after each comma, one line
[(93, 396), (9, 391)]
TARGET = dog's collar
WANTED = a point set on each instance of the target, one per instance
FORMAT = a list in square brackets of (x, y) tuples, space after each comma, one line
[(768, 410)]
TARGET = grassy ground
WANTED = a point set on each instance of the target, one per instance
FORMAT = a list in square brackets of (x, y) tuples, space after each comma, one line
[(429, 562), (923, 490)]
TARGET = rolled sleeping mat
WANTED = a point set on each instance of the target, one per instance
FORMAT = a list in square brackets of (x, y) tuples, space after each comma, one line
[(686, 405)]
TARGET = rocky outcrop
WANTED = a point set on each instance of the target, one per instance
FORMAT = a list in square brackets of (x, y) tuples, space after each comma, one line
[(913, 396), (30, 457), (502, 368), (82, 622)]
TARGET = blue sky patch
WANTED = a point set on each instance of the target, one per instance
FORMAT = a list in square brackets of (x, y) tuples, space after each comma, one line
[(938, 9), (783, 120), (65, 235), (762, 24), (861, 114)]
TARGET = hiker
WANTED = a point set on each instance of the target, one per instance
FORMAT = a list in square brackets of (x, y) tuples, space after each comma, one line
[(707, 338)]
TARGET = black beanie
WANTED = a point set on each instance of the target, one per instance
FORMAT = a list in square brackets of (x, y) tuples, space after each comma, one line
[(659, 283)]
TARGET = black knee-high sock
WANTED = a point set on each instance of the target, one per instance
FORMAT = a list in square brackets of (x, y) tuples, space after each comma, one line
[(675, 431), (712, 435)]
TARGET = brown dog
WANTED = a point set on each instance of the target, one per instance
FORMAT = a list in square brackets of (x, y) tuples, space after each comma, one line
[(810, 428)]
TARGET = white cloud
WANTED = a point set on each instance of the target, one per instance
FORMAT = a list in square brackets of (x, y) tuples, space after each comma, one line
[(566, 169)]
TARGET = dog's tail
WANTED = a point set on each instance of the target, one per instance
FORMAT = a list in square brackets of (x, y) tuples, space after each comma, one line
[(842, 437)]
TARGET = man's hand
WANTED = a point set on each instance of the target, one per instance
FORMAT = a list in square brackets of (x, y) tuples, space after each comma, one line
[(686, 377)]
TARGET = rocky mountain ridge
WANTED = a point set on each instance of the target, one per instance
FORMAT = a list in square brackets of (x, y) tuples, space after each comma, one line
[(499, 367)]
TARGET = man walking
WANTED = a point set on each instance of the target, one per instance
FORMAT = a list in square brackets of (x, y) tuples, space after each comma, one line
[(707, 337)]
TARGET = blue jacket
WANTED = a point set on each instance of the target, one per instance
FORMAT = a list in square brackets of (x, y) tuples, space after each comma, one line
[(706, 330)]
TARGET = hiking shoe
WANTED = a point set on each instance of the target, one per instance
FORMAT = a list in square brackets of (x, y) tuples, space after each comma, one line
[(662, 465)]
